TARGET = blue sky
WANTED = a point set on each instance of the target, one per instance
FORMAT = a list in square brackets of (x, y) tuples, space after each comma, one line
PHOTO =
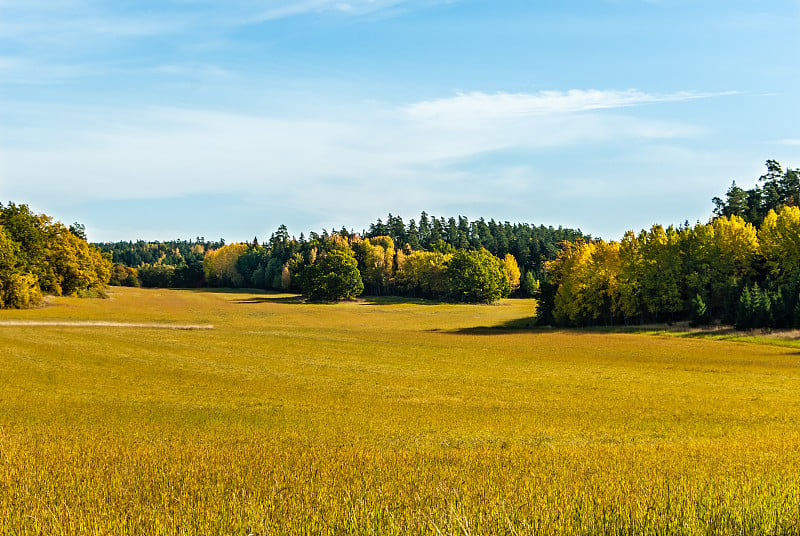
[(183, 118)]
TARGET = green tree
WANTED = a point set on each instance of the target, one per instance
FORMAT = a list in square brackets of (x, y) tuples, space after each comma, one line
[(661, 277), (744, 310), (630, 275), (529, 284), (699, 312), (59, 261), (334, 276), (716, 257), (477, 277), (156, 276), (735, 204)]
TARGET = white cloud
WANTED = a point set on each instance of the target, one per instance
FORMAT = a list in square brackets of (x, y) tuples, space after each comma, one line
[(506, 105), (278, 9), (161, 152), (789, 141), (282, 9)]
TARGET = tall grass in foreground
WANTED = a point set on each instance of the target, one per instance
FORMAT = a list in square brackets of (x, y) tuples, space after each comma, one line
[(385, 419), (243, 485)]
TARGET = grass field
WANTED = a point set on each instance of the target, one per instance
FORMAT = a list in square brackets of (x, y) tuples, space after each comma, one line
[(384, 417)]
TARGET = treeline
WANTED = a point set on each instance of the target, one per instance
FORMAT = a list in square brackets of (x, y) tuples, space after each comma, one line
[(381, 253), (173, 263), (730, 270), (529, 244), (38, 255), (337, 266)]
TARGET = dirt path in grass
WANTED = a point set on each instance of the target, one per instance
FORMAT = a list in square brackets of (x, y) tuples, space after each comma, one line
[(97, 323)]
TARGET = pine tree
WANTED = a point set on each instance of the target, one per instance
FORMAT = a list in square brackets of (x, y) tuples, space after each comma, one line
[(699, 312), (744, 311)]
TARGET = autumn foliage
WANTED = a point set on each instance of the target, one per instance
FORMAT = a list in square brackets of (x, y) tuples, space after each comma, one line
[(724, 270), (38, 255)]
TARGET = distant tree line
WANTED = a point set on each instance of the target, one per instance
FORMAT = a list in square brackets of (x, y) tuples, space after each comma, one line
[(391, 258), (38, 255), (741, 268), (173, 263), (336, 266)]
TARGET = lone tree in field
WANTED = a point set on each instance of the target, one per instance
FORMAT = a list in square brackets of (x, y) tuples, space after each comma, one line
[(334, 277), (477, 277)]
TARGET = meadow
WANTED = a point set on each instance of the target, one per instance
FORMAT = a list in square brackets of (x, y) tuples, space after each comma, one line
[(383, 417)]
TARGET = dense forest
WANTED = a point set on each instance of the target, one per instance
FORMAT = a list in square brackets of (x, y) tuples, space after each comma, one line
[(174, 263), (418, 259), (740, 268)]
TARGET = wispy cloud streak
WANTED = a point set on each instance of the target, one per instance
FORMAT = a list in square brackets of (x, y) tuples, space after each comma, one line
[(508, 105)]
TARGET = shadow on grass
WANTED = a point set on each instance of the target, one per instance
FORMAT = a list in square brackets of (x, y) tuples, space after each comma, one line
[(784, 338), (221, 290), (525, 324), (263, 296), (281, 298), (397, 300)]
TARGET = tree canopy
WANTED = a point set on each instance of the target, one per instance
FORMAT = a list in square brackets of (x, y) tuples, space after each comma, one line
[(477, 276), (38, 255), (393, 258), (774, 189), (334, 276)]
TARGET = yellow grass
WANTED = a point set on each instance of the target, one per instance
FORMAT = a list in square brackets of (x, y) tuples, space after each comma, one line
[(383, 417)]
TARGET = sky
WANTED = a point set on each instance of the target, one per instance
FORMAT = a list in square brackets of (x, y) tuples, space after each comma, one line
[(165, 119)]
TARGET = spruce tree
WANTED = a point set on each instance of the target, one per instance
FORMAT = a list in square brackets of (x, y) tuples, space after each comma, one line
[(744, 311), (699, 312)]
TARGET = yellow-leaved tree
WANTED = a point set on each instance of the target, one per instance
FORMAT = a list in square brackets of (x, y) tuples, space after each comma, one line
[(660, 292), (779, 239), (40, 255), (219, 266), (569, 272), (512, 271), (631, 272), (424, 273), (17, 288), (377, 257), (716, 257)]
